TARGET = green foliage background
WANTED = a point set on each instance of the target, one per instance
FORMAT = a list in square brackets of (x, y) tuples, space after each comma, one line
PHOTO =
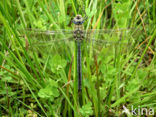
[(30, 86)]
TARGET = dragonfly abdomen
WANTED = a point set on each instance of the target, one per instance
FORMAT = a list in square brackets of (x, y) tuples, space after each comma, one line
[(79, 69)]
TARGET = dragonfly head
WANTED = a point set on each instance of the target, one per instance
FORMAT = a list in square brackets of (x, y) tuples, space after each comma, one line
[(78, 20)]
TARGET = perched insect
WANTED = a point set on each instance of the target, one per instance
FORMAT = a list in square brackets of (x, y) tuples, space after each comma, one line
[(53, 40)]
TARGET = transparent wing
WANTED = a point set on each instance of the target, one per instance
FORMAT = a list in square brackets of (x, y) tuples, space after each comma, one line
[(52, 51), (108, 41), (36, 37), (101, 36), (45, 35)]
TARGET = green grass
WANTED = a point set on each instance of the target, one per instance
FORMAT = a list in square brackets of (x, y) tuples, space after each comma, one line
[(42, 81)]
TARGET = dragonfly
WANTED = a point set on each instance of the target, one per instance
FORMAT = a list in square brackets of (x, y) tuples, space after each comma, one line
[(100, 37)]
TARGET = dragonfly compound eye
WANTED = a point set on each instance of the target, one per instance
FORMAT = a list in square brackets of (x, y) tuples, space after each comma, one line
[(78, 20)]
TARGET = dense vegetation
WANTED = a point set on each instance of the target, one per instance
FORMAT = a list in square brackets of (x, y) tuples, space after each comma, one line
[(42, 81)]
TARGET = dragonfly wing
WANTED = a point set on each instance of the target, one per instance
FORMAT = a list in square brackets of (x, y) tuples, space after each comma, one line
[(112, 36), (45, 42), (101, 31), (51, 50), (35, 35), (45, 47), (48, 43), (47, 32), (109, 40)]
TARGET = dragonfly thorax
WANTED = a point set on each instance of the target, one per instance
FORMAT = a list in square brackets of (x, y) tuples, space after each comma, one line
[(78, 28)]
